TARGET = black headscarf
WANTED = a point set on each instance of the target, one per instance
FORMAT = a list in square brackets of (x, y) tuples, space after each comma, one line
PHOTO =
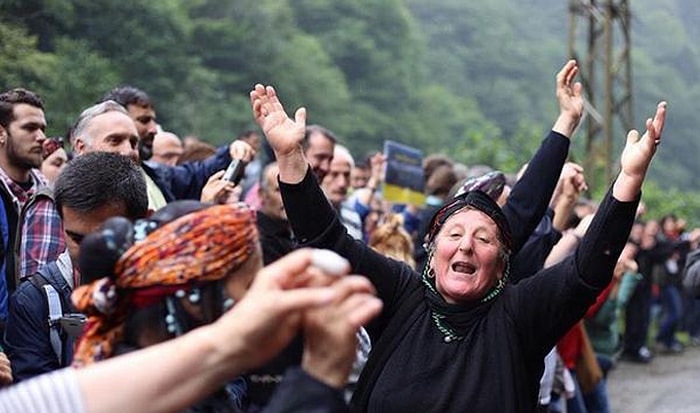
[(477, 200), (453, 319)]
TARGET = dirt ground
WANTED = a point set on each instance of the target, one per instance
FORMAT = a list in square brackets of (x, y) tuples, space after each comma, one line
[(667, 384)]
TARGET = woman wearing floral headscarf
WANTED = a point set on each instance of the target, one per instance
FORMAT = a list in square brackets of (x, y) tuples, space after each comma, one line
[(184, 269), (164, 276)]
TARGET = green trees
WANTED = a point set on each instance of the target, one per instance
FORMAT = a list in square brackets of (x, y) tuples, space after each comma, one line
[(21, 64), (470, 79), (68, 79)]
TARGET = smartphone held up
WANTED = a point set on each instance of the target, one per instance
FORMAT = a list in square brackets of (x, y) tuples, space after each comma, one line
[(235, 171)]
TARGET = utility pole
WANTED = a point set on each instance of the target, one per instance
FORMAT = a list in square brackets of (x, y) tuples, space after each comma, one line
[(599, 39)]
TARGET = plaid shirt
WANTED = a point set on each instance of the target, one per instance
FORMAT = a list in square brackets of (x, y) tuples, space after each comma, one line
[(18, 196), (42, 228), (42, 237)]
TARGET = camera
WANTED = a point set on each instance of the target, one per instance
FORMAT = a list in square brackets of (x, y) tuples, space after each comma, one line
[(234, 172)]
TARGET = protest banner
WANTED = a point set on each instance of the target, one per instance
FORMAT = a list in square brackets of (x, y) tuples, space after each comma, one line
[(403, 174)]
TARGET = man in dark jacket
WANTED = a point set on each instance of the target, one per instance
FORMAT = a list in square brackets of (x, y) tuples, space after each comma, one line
[(275, 233), (22, 125), (92, 188), (107, 127), (168, 183)]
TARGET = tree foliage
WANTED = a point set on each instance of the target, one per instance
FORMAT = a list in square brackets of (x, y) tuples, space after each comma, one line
[(473, 80)]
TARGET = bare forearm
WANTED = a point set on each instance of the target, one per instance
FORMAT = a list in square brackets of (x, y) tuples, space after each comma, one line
[(164, 378), (364, 195), (562, 211)]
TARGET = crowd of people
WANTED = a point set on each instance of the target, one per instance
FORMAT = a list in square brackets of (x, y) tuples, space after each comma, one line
[(137, 277)]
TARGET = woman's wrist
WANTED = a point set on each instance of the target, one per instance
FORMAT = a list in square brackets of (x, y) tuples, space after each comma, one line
[(626, 187), (292, 166), (565, 124)]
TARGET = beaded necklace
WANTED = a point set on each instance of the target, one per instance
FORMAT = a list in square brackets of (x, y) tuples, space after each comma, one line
[(449, 334)]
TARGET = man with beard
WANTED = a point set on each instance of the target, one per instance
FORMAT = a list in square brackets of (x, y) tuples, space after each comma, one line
[(22, 125)]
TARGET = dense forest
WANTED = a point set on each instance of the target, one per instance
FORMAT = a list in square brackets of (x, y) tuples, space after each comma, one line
[(470, 79)]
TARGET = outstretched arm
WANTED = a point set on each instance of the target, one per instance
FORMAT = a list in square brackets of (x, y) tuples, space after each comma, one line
[(572, 285), (637, 155), (530, 197), (570, 100), (364, 195), (283, 134), (603, 242), (185, 181)]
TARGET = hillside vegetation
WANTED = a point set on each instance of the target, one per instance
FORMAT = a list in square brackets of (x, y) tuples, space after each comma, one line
[(470, 79)]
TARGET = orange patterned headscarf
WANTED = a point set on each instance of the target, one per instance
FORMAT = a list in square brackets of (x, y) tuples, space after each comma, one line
[(205, 245)]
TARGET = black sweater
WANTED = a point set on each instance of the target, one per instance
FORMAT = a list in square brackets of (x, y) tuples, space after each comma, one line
[(498, 364)]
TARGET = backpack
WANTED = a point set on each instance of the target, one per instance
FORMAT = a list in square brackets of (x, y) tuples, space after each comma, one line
[(50, 282)]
